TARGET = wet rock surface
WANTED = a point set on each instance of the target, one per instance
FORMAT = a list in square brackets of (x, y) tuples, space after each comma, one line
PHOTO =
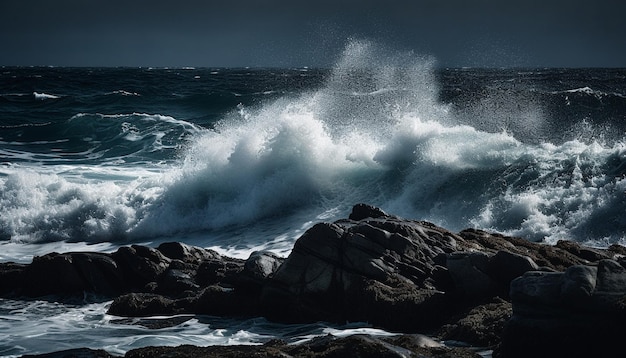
[(519, 297)]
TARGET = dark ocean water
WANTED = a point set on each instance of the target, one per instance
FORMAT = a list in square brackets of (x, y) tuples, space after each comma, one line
[(246, 159)]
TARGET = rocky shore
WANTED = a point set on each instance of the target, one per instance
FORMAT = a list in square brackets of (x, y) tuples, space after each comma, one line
[(515, 297)]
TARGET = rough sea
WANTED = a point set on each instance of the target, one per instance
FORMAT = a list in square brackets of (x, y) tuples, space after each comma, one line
[(245, 159)]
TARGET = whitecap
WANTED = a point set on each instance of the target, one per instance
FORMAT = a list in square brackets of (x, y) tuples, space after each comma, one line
[(44, 96)]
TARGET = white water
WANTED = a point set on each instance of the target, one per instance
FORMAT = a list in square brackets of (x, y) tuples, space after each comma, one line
[(37, 327), (374, 132)]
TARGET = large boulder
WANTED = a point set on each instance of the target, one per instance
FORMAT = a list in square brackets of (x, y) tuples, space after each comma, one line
[(567, 314), (373, 267)]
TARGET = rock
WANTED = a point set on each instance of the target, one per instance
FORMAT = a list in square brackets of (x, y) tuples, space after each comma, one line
[(11, 278), (578, 284), (483, 326), (551, 257), (611, 277), (377, 270), (468, 273), (504, 266), (186, 253), (220, 301), (397, 274), (140, 264), (364, 211), (571, 314), (583, 252), (261, 265), (220, 270), (53, 273), (100, 273), (142, 305), (175, 283), (538, 288)]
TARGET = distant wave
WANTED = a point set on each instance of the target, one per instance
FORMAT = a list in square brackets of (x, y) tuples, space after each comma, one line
[(44, 96), (591, 92), (123, 93)]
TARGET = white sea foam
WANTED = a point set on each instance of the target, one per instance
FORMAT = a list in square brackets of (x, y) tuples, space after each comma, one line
[(37, 327), (266, 172)]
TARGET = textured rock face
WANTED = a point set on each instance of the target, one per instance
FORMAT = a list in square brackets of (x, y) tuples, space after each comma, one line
[(397, 274), (573, 313), (368, 270)]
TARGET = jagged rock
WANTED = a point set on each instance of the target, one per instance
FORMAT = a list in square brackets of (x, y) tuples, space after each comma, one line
[(375, 269), (364, 211), (175, 282)]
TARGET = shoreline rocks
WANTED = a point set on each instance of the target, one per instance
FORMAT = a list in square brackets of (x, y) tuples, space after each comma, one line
[(401, 275)]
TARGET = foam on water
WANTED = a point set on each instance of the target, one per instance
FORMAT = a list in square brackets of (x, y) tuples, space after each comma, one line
[(373, 132), (37, 327)]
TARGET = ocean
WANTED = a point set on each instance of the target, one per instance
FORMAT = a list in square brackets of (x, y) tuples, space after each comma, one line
[(245, 159)]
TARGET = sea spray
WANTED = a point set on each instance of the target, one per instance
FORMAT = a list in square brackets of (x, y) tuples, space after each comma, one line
[(459, 148)]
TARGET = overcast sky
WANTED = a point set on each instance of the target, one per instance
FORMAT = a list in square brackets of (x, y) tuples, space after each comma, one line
[(235, 33)]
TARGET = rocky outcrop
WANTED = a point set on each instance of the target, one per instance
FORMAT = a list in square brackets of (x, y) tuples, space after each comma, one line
[(575, 313), (383, 270), (401, 275)]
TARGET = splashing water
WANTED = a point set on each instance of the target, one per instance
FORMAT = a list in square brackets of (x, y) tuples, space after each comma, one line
[(373, 131)]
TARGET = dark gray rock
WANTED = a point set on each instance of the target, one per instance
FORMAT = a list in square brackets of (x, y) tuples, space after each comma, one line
[(186, 253), (578, 283), (140, 264), (482, 326), (261, 264), (468, 271), (53, 273), (611, 277), (536, 287), (142, 305), (567, 314), (364, 211), (505, 266), (378, 270)]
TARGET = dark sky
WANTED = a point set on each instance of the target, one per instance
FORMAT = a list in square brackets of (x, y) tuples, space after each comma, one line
[(235, 33)]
